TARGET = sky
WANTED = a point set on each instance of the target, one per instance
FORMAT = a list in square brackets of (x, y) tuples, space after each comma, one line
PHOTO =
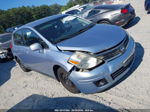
[(7, 4)]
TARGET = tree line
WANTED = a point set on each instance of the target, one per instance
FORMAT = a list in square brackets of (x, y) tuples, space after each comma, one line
[(25, 14)]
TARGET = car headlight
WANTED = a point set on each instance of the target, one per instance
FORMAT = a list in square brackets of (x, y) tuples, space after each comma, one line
[(84, 61)]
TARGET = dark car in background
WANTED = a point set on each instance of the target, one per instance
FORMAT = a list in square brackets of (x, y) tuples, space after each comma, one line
[(5, 47), (147, 5), (119, 14)]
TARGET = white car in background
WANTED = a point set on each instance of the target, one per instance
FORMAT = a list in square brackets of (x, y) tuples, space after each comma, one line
[(78, 8)]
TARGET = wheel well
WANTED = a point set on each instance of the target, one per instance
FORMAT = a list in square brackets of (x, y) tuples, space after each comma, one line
[(55, 68), (15, 57), (104, 20)]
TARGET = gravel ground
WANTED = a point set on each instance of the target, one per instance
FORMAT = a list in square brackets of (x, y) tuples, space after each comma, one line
[(19, 90)]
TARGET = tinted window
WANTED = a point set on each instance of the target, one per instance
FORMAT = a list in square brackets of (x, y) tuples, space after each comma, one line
[(31, 37), (86, 7), (93, 12), (73, 12), (18, 38)]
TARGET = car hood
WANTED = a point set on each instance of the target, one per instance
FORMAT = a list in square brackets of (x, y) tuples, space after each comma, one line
[(96, 39)]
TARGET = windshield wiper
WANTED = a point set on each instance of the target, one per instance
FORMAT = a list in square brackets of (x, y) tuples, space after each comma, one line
[(67, 37), (86, 28), (76, 33)]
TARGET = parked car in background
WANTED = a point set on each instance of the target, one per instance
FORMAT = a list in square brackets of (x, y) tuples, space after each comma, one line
[(76, 9), (102, 2), (119, 15), (5, 44), (10, 30), (83, 56), (111, 1), (147, 5)]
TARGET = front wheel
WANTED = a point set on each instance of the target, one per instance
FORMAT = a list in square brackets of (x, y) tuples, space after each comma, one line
[(66, 82)]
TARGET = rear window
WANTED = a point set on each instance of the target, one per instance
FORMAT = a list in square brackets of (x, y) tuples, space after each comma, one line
[(18, 38), (5, 38)]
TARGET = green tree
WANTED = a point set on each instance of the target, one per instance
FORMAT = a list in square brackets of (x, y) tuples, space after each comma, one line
[(23, 15), (1, 29)]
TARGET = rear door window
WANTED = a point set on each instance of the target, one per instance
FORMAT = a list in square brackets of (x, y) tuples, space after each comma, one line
[(93, 12), (31, 37), (73, 12), (18, 38)]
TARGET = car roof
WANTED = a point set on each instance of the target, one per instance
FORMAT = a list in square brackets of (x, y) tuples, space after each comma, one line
[(43, 20), (70, 9)]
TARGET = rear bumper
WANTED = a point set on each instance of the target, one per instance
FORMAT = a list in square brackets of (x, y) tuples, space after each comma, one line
[(111, 71)]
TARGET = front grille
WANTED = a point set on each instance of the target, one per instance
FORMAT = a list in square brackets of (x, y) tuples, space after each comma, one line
[(111, 54), (115, 51), (122, 69)]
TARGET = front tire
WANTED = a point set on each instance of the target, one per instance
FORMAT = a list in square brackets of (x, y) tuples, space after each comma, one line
[(63, 76), (22, 66)]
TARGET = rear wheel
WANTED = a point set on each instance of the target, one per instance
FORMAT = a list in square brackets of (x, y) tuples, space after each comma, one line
[(148, 11), (66, 82), (104, 22), (22, 66)]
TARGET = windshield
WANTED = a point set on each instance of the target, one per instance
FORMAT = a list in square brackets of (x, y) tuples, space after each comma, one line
[(87, 7), (85, 10), (63, 28), (73, 12)]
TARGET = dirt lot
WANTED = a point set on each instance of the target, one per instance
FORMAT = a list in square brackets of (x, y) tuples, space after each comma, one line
[(19, 90)]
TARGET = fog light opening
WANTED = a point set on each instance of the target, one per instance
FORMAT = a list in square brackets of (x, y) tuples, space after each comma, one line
[(101, 82)]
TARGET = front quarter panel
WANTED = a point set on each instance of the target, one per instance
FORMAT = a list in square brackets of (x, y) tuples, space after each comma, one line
[(58, 58)]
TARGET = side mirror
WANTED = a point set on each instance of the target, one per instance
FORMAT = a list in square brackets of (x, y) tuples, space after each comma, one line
[(36, 47)]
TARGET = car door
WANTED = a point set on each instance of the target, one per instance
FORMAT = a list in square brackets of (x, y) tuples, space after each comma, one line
[(19, 46), (93, 15), (36, 60)]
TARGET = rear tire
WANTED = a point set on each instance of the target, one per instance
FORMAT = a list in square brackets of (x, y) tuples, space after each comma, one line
[(104, 22), (22, 66), (148, 11), (66, 82)]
